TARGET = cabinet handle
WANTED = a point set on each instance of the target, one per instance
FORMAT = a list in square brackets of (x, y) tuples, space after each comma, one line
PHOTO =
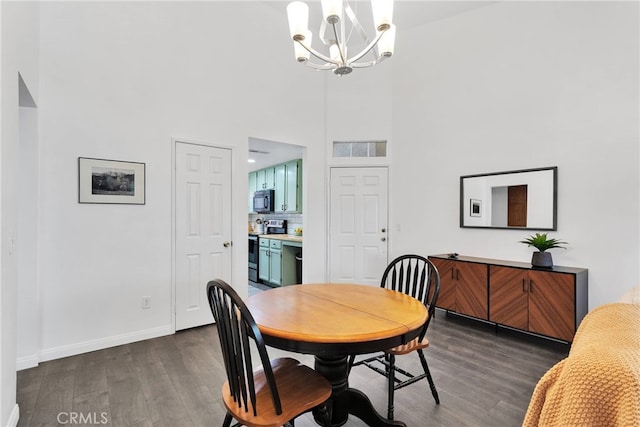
[(523, 281), (457, 274), (530, 285), (452, 277)]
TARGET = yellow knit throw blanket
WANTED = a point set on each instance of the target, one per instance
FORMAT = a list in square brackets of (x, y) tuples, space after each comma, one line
[(598, 384)]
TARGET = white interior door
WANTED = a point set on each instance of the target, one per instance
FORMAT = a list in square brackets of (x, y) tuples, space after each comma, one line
[(358, 225), (203, 228)]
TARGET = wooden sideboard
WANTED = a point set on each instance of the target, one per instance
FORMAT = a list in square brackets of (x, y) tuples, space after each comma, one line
[(550, 302)]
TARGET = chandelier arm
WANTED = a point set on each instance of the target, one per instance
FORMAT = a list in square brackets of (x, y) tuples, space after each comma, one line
[(316, 53), (339, 44), (323, 67), (368, 48), (355, 24), (367, 64), (323, 32)]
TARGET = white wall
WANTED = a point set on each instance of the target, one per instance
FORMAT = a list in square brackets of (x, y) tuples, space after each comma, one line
[(19, 33), (520, 85), (29, 310), (119, 80)]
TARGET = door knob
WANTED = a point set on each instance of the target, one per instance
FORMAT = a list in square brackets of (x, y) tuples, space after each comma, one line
[(384, 230), (383, 239), (226, 244)]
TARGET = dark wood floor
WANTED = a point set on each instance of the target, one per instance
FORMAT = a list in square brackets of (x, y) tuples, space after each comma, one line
[(483, 379)]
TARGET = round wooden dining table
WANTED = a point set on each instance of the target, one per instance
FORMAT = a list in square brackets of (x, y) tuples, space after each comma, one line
[(333, 321)]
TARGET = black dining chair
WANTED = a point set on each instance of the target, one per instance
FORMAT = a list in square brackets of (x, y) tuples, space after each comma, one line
[(416, 276), (273, 395)]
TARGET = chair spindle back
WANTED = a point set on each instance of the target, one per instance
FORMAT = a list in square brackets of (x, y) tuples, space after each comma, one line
[(236, 326), (416, 276)]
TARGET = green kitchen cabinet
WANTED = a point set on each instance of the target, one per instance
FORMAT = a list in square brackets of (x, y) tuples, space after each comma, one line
[(270, 261), (265, 178), (263, 261), (275, 263), (288, 187)]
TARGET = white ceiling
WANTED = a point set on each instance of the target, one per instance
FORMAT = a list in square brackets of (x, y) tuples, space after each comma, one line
[(271, 153), (406, 13), (413, 13)]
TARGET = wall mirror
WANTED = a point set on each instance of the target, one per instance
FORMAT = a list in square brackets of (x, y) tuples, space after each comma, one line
[(520, 199)]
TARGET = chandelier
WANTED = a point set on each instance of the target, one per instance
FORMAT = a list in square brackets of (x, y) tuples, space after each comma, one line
[(336, 33)]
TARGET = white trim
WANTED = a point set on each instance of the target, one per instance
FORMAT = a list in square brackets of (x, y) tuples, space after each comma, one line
[(26, 362), (172, 291), (14, 417), (102, 343)]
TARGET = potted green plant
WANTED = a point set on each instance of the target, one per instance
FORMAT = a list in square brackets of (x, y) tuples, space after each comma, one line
[(542, 243)]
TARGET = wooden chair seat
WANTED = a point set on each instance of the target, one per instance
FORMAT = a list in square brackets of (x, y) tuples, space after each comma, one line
[(275, 393), (413, 345), (301, 389)]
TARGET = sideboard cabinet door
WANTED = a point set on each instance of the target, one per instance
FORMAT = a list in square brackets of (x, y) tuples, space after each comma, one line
[(447, 295), (551, 304), (536, 301), (509, 296), (471, 290), (463, 287)]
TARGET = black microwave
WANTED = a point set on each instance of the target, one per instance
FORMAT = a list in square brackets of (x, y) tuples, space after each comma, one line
[(263, 201)]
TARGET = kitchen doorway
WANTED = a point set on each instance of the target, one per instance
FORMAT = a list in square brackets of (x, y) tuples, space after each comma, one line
[(275, 165), (358, 231)]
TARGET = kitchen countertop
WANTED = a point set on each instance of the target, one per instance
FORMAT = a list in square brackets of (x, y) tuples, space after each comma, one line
[(286, 237)]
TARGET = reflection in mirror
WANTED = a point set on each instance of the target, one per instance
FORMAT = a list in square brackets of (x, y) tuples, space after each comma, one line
[(523, 199)]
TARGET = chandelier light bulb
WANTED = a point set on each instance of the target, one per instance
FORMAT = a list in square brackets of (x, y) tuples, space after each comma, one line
[(382, 13), (332, 11), (387, 42), (302, 54), (334, 52), (298, 14)]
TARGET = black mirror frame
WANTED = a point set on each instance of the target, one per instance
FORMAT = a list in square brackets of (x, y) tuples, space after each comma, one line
[(555, 199)]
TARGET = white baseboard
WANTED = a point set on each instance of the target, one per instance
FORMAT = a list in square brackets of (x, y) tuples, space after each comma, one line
[(26, 362), (14, 417), (102, 343)]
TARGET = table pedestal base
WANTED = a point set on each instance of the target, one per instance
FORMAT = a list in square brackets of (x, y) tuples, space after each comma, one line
[(345, 400)]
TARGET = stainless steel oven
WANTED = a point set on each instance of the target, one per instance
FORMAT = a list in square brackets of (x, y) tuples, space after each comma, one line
[(253, 257)]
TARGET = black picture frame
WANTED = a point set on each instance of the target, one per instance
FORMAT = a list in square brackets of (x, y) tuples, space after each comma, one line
[(111, 181)]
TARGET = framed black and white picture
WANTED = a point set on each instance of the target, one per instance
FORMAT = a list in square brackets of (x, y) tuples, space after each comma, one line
[(475, 208), (111, 181)]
